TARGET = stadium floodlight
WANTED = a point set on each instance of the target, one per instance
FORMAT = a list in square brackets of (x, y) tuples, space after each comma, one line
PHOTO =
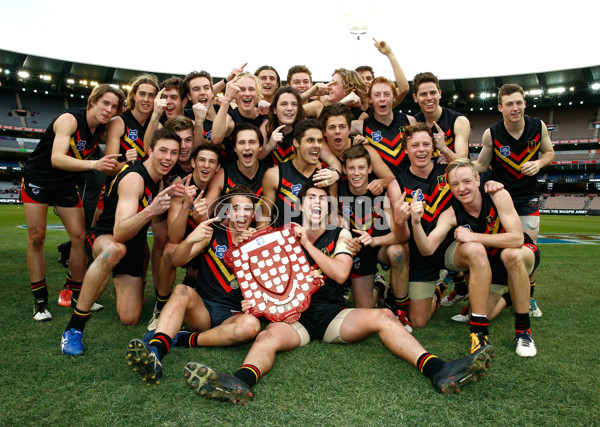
[(484, 95), (70, 81), (83, 82), (595, 86), (23, 74), (6, 71), (455, 97), (572, 89), (115, 86), (556, 90), (45, 77), (535, 92), (93, 83)]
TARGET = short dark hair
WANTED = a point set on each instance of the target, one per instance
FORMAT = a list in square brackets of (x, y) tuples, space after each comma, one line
[(248, 126), (356, 152), (164, 133), (193, 74), (206, 146), (333, 111), (301, 128), (243, 190), (362, 68), (99, 92), (425, 77), (298, 69), (508, 89), (174, 83)]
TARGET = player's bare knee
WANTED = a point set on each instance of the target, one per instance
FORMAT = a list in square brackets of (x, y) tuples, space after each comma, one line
[(247, 327), (474, 252), (512, 257), (181, 291), (131, 318), (36, 238), (112, 253), (266, 339), (418, 321)]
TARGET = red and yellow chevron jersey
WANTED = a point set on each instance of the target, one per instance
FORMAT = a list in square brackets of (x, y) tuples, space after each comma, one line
[(83, 144), (434, 190), (227, 152), (286, 200), (284, 151), (365, 212), (216, 282), (133, 137), (330, 292), (511, 154), (488, 221), (387, 140), (233, 176), (446, 123), (106, 221)]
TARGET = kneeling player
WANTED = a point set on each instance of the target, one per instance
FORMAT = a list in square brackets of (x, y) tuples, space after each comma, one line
[(117, 241), (327, 320), (366, 215), (213, 310), (490, 244)]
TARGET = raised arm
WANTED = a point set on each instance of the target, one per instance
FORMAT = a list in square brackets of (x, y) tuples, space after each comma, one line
[(428, 244), (223, 124), (194, 244), (487, 153), (401, 81), (336, 268)]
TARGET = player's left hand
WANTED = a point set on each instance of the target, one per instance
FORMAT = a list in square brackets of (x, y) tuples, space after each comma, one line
[(493, 186), (325, 177), (263, 107), (317, 277), (246, 234), (364, 238), (301, 235)]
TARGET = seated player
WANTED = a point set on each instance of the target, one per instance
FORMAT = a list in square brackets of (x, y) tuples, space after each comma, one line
[(212, 310), (117, 241), (327, 320), (490, 243)]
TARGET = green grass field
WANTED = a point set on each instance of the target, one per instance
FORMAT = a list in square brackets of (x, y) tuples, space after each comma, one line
[(320, 384)]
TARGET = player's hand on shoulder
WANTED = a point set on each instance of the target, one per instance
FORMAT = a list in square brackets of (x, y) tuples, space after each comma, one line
[(492, 186)]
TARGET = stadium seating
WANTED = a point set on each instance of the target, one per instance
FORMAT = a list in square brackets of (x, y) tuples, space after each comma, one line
[(563, 201), (44, 108), (8, 102)]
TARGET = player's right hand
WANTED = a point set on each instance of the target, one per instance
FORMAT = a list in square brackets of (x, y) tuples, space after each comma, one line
[(107, 163)]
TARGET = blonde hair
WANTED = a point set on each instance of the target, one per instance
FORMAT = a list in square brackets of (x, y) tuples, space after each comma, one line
[(351, 80)]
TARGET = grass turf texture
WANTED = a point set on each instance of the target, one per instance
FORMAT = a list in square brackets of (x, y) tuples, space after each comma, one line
[(320, 384)]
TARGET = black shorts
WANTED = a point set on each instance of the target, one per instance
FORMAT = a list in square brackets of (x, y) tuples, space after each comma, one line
[(499, 274), (220, 312), (67, 197), (317, 317), (427, 269), (365, 262), (526, 204), (132, 264)]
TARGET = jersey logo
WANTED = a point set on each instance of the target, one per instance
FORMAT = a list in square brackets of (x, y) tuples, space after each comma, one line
[(376, 136), (208, 135), (220, 250), (491, 222), (418, 195), (356, 263), (325, 251), (132, 134), (80, 145), (505, 151), (531, 145), (296, 189), (347, 210), (468, 227), (441, 181)]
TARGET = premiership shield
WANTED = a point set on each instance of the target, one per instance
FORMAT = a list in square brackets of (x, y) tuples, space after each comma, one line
[(272, 272)]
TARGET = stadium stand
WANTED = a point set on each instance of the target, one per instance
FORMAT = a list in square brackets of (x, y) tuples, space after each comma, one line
[(8, 102), (566, 201), (44, 108), (574, 121)]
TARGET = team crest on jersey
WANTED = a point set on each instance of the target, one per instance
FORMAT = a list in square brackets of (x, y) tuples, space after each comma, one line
[(418, 195), (468, 227), (296, 189), (376, 136), (150, 199), (208, 136), (531, 145), (132, 134), (441, 181), (505, 151), (491, 222), (220, 250), (356, 263), (347, 210), (325, 251), (80, 145)]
